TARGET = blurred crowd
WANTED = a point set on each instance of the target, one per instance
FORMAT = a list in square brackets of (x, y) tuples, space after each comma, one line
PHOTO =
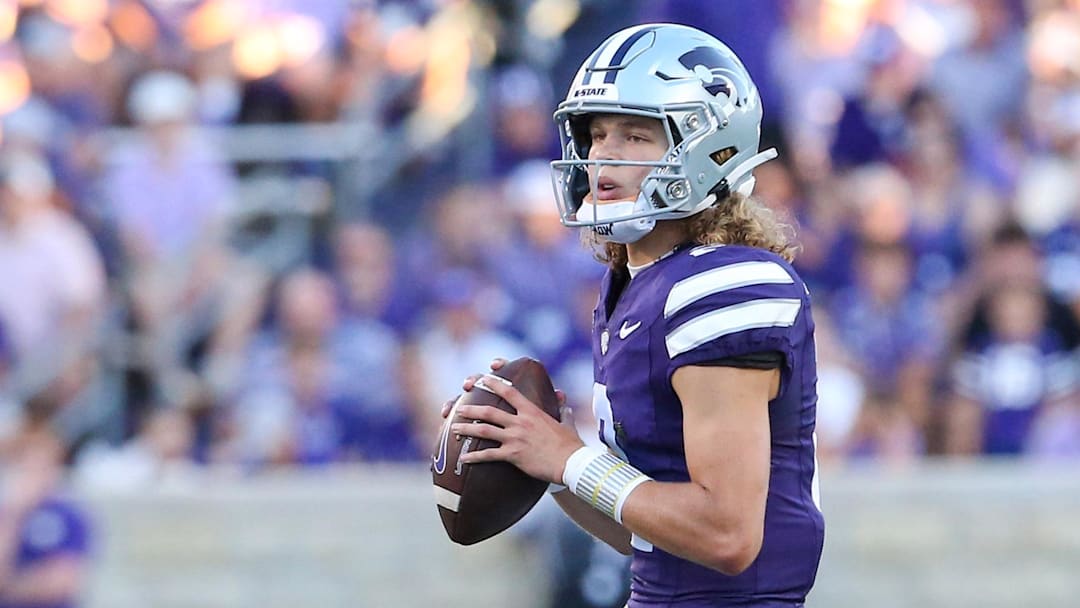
[(254, 233), (265, 233)]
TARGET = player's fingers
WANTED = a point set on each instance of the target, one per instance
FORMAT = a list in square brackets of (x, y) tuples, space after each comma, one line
[(497, 363), (486, 413), (449, 405), (470, 381), (478, 429), (485, 455), (560, 396), (503, 388)]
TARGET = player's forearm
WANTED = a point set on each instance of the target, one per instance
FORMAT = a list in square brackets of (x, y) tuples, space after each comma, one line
[(594, 522), (689, 520)]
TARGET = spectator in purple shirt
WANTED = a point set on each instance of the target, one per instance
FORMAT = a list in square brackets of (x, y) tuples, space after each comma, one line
[(44, 535)]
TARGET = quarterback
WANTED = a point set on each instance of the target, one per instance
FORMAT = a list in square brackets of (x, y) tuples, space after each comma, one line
[(703, 347)]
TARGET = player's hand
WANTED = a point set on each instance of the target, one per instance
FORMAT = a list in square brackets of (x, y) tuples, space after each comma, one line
[(531, 440), (496, 364)]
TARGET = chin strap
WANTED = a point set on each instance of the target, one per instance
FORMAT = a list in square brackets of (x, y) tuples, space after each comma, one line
[(613, 229)]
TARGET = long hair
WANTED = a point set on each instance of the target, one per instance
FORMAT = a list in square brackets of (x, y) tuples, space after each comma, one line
[(738, 220)]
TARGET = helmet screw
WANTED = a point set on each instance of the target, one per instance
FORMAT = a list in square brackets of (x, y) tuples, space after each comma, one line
[(701, 178), (678, 190), (692, 121), (725, 123)]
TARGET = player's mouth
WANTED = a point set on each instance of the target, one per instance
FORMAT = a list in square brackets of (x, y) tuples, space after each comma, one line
[(608, 189)]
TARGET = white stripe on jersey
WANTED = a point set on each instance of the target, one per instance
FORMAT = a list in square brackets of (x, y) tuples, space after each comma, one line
[(769, 312), (692, 289)]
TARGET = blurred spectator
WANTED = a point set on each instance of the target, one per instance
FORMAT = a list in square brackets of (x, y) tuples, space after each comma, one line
[(55, 281), (365, 269), (814, 70), (51, 308), (982, 79), (892, 334), (191, 298), (161, 456), (459, 340), (44, 534), (872, 125), (841, 398), (544, 269), (318, 388), (466, 228), (1010, 376), (523, 102)]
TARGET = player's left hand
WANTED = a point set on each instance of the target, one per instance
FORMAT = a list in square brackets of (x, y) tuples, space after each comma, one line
[(532, 441)]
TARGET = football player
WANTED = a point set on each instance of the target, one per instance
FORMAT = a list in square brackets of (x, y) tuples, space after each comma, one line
[(704, 363)]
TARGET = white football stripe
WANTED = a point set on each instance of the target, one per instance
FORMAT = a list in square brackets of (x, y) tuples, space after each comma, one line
[(447, 499), (692, 289), (771, 312)]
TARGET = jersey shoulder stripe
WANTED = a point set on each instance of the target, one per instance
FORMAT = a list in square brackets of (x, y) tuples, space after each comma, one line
[(753, 314), (723, 278)]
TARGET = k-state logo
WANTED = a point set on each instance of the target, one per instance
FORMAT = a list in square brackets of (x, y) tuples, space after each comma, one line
[(606, 91)]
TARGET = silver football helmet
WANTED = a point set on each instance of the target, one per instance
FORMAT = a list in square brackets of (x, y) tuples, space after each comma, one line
[(705, 99)]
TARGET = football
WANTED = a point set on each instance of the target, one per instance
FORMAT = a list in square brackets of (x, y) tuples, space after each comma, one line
[(478, 501)]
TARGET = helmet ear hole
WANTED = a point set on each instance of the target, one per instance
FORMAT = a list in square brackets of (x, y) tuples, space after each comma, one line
[(722, 156)]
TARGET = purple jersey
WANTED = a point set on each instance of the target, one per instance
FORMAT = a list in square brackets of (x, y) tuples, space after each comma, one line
[(700, 305)]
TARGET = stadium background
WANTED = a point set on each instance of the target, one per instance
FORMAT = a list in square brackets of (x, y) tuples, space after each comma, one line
[(225, 223)]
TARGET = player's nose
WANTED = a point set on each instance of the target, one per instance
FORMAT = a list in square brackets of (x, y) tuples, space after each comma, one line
[(608, 149)]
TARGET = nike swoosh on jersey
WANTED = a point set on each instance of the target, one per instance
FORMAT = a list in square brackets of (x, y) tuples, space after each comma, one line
[(626, 330)]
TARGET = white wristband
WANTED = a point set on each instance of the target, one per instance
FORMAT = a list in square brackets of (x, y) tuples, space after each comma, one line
[(602, 479), (555, 488), (576, 463)]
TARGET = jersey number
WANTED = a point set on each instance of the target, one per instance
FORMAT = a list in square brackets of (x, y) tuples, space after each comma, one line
[(605, 419)]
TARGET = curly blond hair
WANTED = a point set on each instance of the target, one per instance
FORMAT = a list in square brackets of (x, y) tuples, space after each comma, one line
[(738, 220)]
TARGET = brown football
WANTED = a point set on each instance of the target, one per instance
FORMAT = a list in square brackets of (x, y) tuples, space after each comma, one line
[(478, 501)]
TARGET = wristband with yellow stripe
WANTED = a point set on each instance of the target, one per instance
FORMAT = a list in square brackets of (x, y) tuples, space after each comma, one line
[(602, 479)]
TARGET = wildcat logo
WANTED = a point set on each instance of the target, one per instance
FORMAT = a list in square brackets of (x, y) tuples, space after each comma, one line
[(604, 230), (605, 91), (717, 72)]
